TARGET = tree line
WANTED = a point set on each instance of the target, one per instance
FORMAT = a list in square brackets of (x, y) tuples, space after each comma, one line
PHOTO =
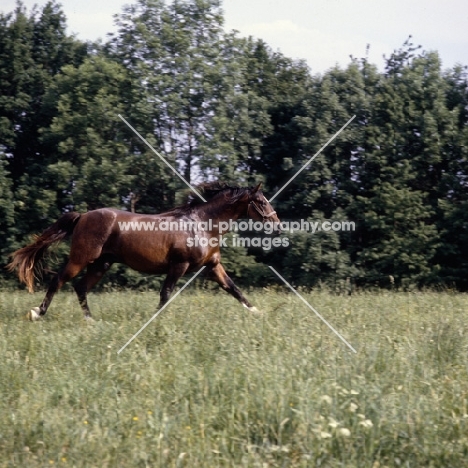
[(225, 107)]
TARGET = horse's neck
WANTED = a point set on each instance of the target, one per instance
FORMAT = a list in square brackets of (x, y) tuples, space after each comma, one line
[(225, 213)]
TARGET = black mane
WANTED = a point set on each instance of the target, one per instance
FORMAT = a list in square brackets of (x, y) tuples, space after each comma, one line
[(209, 190)]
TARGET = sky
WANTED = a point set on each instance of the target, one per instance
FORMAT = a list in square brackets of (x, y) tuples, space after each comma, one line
[(324, 33)]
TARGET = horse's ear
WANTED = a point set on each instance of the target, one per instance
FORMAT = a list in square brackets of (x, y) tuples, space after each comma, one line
[(256, 189)]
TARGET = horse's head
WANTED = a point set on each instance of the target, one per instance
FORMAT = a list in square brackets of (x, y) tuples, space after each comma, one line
[(259, 208)]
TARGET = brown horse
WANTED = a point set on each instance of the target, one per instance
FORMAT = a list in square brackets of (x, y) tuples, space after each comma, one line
[(106, 236)]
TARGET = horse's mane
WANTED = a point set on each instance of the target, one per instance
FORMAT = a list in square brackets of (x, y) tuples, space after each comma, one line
[(209, 190)]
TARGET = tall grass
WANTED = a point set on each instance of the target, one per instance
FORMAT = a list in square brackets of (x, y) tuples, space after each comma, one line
[(209, 385)]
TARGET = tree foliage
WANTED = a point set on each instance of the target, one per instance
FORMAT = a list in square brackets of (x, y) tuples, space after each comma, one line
[(220, 106)]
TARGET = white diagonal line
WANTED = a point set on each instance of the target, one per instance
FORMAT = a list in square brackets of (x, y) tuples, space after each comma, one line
[(161, 309), (312, 158), (163, 159), (313, 310)]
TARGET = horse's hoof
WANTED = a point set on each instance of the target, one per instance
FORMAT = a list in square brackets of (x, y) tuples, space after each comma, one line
[(34, 314), (255, 311), (89, 319)]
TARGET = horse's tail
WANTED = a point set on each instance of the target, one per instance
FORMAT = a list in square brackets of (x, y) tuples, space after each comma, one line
[(26, 260)]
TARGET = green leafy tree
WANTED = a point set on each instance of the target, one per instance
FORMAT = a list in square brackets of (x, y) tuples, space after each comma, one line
[(316, 259), (171, 52), (396, 206), (452, 219), (6, 211), (89, 165), (33, 48), (240, 120)]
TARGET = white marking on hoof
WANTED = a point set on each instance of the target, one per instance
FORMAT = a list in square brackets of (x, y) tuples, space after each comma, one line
[(254, 310), (34, 314)]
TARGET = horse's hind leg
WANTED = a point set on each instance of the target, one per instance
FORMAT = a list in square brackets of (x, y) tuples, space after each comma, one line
[(94, 273), (69, 271)]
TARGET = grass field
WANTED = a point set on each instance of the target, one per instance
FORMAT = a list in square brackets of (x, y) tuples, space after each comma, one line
[(209, 385)]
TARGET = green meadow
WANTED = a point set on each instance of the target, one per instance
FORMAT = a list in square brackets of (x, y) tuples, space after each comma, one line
[(207, 384)]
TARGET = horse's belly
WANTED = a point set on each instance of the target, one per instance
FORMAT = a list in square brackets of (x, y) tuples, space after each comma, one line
[(154, 252)]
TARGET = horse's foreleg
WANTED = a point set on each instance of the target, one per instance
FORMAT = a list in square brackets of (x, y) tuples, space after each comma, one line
[(69, 271), (218, 274), (94, 273), (176, 271)]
